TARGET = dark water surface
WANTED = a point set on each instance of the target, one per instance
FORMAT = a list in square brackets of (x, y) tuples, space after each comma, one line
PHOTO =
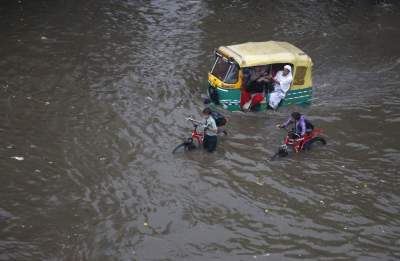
[(93, 96)]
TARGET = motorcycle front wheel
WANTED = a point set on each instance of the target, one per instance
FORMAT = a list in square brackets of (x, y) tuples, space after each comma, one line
[(184, 146), (282, 152)]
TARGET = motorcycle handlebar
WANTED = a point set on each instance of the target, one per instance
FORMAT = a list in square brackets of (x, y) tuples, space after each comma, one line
[(195, 122), (192, 120)]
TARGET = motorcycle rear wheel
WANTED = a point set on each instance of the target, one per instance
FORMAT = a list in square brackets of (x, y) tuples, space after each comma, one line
[(314, 142)]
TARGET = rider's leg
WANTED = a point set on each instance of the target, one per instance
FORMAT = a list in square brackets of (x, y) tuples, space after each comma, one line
[(211, 143), (205, 142)]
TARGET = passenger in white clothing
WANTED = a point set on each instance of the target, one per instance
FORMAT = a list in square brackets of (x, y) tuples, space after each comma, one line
[(282, 81)]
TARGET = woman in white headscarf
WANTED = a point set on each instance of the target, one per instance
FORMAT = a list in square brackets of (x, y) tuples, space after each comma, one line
[(282, 82)]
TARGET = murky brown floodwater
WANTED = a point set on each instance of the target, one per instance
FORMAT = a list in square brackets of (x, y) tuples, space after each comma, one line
[(93, 96)]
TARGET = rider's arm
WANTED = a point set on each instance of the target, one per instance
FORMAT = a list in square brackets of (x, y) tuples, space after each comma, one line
[(193, 120), (285, 124), (213, 127), (215, 130)]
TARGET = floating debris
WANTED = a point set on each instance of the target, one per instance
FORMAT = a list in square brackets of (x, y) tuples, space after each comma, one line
[(149, 98), (43, 37), (18, 158), (46, 103), (145, 224)]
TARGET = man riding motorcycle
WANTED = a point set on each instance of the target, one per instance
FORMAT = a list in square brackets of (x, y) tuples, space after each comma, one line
[(301, 125)]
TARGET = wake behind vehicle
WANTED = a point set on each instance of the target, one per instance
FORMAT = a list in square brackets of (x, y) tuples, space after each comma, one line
[(233, 62)]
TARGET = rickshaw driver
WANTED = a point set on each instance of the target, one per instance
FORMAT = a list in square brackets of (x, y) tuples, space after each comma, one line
[(254, 82), (282, 82)]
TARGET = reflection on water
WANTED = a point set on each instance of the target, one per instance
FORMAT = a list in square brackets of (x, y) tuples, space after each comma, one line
[(93, 99)]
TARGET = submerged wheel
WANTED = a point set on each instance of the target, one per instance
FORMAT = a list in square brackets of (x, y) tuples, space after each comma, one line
[(314, 142), (186, 145), (282, 152), (180, 147), (276, 155)]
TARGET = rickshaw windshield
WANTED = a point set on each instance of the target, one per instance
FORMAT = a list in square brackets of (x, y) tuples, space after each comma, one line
[(225, 70)]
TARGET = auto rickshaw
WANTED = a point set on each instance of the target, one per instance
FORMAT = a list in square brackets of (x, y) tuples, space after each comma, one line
[(233, 64)]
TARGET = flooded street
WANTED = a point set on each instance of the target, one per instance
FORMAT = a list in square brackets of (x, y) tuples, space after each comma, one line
[(93, 98)]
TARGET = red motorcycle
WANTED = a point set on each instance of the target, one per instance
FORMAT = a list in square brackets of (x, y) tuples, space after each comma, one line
[(294, 142), (195, 140)]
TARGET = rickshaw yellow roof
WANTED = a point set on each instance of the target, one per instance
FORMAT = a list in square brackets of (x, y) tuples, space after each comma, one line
[(261, 53)]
